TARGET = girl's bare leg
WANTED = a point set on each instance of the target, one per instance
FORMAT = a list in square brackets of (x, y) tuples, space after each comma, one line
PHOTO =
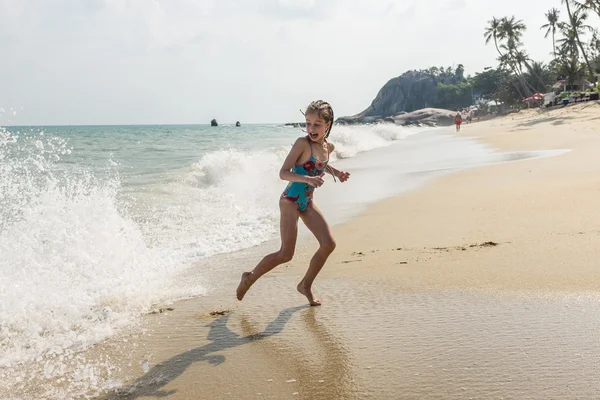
[(288, 227), (315, 221)]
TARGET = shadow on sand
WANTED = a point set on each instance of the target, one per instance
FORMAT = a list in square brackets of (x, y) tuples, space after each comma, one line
[(553, 119), (221, 339)]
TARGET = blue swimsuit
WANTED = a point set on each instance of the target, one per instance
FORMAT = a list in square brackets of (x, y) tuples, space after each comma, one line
[(299, 192)]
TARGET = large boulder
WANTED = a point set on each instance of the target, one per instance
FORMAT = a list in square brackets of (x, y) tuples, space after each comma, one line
[(213, 122)]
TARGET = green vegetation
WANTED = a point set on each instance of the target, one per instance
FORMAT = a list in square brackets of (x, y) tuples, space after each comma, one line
[(454, 96), (453, 89), (576, 53)]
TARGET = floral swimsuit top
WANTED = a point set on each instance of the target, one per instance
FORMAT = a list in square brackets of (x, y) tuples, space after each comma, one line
[(299, 192)]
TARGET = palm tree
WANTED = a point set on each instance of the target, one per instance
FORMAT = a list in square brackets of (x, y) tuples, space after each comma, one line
[(567, 62), (567, 45), (506, 64), (493, 32), (509, 61), (521, 57), (552, 17), (578, 27), (593, 5), (539, 76), (512, 29), (594, 50)]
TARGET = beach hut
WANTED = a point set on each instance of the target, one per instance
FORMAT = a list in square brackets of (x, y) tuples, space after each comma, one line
[(578, 84)]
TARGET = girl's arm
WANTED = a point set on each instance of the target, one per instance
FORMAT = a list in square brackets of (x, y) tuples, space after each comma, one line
[(292, 158), (333, 171), (341, 175)]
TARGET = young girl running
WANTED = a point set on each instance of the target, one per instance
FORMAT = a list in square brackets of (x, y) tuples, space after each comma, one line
[(304, 168)]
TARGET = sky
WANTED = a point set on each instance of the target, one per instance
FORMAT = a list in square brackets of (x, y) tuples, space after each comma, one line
[(71, 62)]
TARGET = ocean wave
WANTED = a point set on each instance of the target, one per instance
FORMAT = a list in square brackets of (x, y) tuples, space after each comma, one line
[(74, 267), (350, 140), (235, 166)]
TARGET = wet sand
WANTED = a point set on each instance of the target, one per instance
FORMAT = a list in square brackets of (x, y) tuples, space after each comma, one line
[(482, 284)]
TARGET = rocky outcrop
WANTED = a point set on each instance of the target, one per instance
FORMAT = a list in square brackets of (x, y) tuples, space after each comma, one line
[(213, 122), (423, 117), (237, 123), (401, 97), (427, 117), (410, 91)]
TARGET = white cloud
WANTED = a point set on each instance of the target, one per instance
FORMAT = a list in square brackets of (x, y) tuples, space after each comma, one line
[(187, 61)]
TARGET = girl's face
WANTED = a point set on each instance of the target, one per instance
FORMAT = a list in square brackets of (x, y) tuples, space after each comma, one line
[(316, 127)]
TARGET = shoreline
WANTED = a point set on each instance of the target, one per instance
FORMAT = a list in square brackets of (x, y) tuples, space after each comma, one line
[(419, 284)]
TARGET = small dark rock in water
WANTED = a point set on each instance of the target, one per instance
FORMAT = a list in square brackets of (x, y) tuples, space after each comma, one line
[(219, 312), (213, 122), (238, 123)]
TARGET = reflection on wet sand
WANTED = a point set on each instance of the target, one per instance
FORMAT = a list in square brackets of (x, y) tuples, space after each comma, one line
[(334, 379), (221, 338), (316, 360)]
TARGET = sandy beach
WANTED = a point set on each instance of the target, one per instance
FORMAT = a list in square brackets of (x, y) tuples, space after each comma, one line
[(481, 284)]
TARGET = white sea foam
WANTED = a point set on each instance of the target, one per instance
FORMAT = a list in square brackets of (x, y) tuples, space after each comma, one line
[(74, 267), (350, 140)]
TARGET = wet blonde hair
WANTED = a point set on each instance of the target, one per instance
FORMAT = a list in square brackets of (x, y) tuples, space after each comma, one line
[(323, 110)]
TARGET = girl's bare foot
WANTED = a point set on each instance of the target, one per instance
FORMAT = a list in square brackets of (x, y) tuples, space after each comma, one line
[(313, 301), (244, 285)]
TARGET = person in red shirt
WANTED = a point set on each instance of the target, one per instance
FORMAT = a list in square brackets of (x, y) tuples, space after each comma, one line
[(458, 120)]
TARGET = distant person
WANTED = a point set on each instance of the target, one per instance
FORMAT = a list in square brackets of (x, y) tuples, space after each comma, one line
[(458, 120), (304, 168)]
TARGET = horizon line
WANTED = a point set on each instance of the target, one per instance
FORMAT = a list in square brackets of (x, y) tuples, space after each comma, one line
[(138, 124)]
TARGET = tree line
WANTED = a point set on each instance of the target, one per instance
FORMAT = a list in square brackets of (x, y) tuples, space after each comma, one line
[(575, 53), (575, 58)]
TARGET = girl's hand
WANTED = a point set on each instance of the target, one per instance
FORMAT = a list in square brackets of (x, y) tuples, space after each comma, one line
[(343, 176), (315, 181)]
